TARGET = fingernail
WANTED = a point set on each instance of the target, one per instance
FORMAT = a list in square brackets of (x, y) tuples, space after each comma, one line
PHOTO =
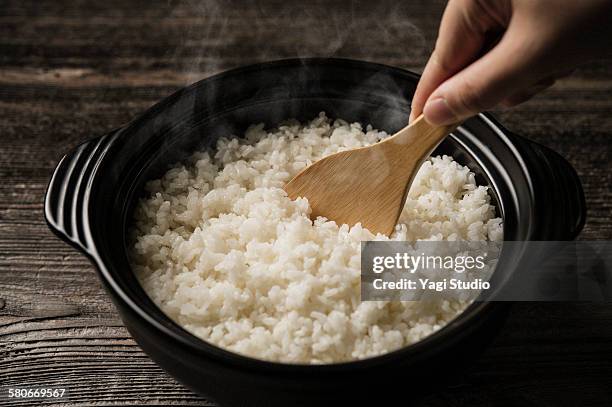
[(438, 112)]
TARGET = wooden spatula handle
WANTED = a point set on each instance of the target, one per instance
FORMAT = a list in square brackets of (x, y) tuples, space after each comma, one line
[(416, 141)]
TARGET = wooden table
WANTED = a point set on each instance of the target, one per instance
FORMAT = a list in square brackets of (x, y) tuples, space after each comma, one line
[(73, 70)]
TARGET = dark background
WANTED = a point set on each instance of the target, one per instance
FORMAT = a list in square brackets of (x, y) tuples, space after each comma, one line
[(70, 70)]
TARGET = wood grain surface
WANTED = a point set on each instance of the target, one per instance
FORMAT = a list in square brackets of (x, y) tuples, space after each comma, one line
[(70, 70)]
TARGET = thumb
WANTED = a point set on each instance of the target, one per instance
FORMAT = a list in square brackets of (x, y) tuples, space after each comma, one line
[(502, 72)]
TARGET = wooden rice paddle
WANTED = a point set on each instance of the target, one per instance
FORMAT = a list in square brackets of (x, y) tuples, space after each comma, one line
[(368, 184)]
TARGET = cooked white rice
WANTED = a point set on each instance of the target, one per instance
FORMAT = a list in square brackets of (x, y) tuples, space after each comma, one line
[(223, 252)]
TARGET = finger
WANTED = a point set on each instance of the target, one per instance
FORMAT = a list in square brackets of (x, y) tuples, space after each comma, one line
[(505, 70), (462, 36)]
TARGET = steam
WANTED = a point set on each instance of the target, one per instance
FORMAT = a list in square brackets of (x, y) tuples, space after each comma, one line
[(220, 35), (205, 37)]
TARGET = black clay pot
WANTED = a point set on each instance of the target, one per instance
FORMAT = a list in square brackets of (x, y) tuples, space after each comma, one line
[(92, 193)]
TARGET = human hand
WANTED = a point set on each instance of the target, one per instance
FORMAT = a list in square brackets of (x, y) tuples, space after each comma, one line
[(503, 52)]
